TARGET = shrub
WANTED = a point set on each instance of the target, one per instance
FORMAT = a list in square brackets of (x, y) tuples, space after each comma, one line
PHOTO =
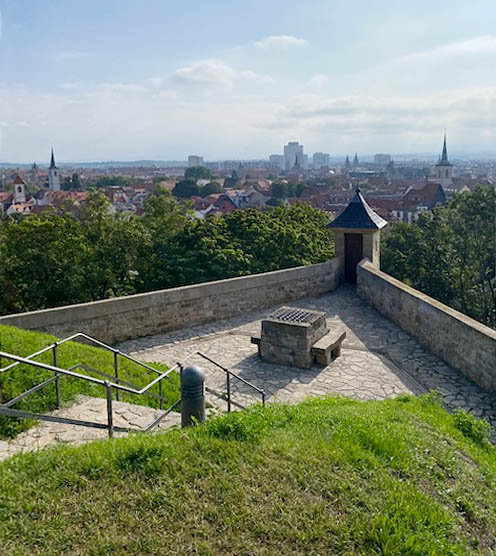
[(479, 430)]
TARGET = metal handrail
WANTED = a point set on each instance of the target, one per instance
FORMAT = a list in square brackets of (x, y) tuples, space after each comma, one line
[(118, 385), (230, 374), (109, 384), (91, 339), (66, 372)]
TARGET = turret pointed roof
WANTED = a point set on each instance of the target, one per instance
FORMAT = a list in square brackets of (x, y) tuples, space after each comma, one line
[(358, 216), (52, 161), (19, 181)]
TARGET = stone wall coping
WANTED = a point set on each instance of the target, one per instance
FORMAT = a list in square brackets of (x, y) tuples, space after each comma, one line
[(464, 319)]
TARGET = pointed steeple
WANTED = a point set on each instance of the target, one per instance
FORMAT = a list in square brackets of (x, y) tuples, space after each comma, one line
[(52, 161), (347, 162), (444, 156), (443, 160)]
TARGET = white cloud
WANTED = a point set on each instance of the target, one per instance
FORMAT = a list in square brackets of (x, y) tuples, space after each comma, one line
[(482, 45), (125, 121), (205, 73), (213, 73), (280, 41)]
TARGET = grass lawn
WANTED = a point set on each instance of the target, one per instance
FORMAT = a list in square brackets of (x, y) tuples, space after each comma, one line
[(328, 476), (21, 378)]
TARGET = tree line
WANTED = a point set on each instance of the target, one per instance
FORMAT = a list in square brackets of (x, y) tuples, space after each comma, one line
[(449, 254), (55, 259)]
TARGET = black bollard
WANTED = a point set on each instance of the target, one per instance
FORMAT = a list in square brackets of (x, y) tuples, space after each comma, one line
[(192, 396)]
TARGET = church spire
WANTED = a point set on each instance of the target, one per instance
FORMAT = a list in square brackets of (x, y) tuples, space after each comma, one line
[(444, 156), (53, 175), (52, 161)]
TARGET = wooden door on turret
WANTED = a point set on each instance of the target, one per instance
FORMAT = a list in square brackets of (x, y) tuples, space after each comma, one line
[(353, 254)]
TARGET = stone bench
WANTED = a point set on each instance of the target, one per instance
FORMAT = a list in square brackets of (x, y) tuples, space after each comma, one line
[(328, 347)]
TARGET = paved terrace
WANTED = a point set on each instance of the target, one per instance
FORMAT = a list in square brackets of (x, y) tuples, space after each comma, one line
[(378, 359)]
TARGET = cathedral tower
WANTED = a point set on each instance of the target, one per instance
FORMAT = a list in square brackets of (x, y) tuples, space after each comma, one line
[(53, 175)]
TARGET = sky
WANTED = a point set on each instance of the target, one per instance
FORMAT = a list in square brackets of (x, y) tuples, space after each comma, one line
[(162, 79)]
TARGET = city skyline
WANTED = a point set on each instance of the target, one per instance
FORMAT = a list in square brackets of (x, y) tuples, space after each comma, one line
[(121, 81)]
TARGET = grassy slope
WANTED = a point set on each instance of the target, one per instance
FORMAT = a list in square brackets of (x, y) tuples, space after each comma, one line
[(329, 476), (21, 378)]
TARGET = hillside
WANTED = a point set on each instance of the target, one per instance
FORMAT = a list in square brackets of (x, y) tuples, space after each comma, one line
[(327, 476), (21, 378)]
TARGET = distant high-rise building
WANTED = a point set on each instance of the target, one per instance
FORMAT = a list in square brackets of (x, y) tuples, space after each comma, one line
[(320, 160), (293, 152), (382, 159), (444, 169), (53, 175), (277, 161), (194, 160)]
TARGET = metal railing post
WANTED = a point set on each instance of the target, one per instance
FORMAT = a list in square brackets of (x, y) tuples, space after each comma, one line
[(57, 375), (116, 373), (110, 421), (263, 398), (228, 387)]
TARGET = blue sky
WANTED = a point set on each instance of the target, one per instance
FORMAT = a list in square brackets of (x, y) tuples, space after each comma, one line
[(130, 79)]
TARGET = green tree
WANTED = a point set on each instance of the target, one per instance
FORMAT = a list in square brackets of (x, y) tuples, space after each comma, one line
[(274, 202), (449, 254), (186, 188), (42, 262), (113, 181), (209, 188), (76, 182), (198, 173), (279, 189), (249, 241), (300, 188), (163, 218)]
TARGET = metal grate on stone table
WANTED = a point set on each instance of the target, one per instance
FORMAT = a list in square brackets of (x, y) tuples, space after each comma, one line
[(292, 314)]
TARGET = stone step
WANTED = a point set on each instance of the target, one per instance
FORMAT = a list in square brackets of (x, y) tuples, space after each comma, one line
[(89, 409)]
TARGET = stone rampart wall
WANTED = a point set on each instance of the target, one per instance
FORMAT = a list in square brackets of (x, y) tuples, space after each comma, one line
[(133, 316), (460, 341)]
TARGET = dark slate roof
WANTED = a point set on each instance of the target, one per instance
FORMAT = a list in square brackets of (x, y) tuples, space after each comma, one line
[(358, 215)]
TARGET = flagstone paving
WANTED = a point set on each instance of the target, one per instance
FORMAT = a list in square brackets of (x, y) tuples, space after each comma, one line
[(378, 359), (85, 408)]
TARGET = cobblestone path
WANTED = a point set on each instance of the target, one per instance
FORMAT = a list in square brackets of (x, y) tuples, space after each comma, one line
[(88, 409), (378, 359)]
